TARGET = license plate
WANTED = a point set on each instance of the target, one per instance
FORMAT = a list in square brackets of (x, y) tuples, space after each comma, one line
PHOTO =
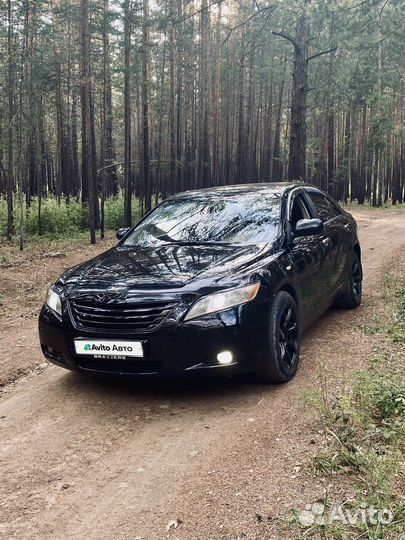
[(108, 348)]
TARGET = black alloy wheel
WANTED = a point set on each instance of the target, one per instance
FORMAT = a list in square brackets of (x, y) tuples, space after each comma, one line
[(356, 279), (351, 296), (282, 361), (288, 338)]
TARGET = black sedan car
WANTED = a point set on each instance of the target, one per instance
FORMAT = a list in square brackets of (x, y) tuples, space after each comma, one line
[(220, 280)]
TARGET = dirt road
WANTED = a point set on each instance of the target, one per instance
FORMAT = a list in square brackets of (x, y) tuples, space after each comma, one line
[(87, 459)]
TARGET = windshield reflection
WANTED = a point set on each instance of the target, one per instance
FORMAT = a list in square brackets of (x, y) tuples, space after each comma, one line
[(250, 218)]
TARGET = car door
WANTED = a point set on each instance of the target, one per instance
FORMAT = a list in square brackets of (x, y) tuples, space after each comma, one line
[(307, 260), (333, 241)]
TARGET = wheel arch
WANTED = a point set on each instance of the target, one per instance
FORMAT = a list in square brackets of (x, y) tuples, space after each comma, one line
[(290, 289)]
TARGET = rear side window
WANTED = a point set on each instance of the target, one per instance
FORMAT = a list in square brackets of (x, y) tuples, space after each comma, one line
[(326, 209)]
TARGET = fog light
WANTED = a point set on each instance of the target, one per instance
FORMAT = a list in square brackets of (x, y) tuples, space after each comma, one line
[(225, 357)]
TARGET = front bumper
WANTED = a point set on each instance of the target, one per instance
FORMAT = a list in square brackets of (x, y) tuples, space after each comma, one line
[(183, 350)]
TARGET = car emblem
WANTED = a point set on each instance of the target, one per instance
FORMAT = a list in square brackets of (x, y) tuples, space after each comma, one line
[(115, 293)]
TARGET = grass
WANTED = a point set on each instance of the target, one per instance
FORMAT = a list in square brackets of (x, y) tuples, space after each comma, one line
[(393, 294), (7, 259), (364, 429), (61, 220), (392, 322)]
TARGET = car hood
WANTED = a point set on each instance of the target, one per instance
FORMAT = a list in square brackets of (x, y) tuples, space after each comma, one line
[(165, 266)]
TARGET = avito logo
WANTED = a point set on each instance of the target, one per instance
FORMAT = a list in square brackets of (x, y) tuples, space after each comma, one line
[(97, 347)]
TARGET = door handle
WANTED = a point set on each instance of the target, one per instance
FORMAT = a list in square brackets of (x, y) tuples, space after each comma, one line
[(327, 241), (347, 227)]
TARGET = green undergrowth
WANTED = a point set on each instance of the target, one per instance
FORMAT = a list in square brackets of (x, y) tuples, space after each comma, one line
[(60, 219), (363, 423)]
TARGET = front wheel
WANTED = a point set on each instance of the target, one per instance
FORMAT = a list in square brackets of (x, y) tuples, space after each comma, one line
[(350, 298), (283, 341)]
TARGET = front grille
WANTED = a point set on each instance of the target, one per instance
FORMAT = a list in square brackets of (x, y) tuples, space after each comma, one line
[(140, 316), (123, 367)]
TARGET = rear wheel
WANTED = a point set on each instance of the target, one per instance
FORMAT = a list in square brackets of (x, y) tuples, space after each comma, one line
[(350, 298), (283, 341)]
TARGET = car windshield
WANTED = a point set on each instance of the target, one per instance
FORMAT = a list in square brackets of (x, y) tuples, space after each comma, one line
[(248, 218)]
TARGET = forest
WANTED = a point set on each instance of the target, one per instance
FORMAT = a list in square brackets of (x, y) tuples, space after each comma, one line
[(107, 107)]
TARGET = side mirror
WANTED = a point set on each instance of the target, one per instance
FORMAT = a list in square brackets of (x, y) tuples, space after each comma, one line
[(122, 232), (308, 227)]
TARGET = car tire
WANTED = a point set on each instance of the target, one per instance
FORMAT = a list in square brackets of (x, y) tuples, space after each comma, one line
[(350, 298), (283, 341)]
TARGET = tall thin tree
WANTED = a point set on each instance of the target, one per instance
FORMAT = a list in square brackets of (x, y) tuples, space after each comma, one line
[(86, 104), (127, 114), (10, 120)]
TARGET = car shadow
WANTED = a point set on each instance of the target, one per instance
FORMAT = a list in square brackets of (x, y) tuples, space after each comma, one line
[(188, 390)]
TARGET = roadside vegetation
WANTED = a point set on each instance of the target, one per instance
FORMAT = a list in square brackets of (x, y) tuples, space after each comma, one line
[(363, 423), (58, 219)]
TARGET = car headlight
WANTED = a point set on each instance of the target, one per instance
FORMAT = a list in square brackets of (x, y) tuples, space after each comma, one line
[(54, 302), (223, 300)]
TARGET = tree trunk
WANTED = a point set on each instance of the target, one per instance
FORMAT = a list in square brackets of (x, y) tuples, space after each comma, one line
[(108, 171), (127, 116), (158, 187), (172, 100), (87, 161), (216, 168), (241, 145), (299, 94), (145, 105), (76, 181), (277, 173), (179, 98), (298, 128), (204, 169), (94, 175), (10, 119)]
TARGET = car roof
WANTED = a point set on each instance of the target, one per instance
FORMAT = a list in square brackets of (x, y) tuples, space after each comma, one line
[(271, 187)]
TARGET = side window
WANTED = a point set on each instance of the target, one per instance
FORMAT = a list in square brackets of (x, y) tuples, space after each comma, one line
[(326, 208), (298, 211)]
